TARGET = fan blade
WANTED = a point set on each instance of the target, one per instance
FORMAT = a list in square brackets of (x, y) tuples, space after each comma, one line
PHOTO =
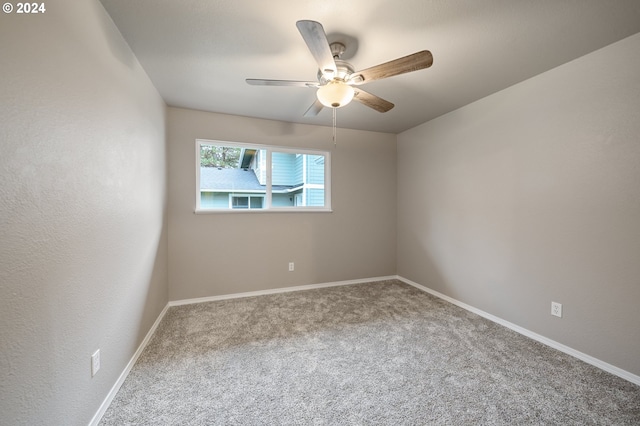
[(262, 82), (417, 61), (313, 34), (372, 101), (314, 109)]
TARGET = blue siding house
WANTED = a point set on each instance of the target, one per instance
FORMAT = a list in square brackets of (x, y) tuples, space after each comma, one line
[(297, 180)]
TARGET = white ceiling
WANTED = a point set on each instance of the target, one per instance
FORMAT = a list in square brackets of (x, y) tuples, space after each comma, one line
[(199, 52)]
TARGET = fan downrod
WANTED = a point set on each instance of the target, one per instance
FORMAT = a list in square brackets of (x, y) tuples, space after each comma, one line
[(337, 49)]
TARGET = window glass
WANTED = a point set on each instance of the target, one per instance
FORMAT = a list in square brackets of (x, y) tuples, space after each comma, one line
[(233, 176)]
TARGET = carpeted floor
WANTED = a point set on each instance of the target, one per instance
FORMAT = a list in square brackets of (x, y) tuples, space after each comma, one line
[(379, 353)]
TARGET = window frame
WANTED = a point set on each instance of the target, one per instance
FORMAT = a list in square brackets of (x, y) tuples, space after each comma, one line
[(268, 196)]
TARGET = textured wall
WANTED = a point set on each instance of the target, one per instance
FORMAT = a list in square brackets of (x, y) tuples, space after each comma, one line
[(214, 254), (82, 211), (532, 195)]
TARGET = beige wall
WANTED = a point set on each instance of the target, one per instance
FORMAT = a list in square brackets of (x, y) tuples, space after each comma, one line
[(532, 195), (215, 254), (83, 243)]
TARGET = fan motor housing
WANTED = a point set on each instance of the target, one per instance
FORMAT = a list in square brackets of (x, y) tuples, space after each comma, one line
[(345, 69)]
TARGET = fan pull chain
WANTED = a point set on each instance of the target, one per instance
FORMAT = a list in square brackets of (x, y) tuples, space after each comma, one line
[(334, 126)]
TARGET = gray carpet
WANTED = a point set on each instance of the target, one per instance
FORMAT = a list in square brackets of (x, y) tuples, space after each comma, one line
[(379, 353)]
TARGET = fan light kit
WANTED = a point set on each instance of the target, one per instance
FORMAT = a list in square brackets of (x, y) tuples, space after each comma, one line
[(337, 83), (335, 94)]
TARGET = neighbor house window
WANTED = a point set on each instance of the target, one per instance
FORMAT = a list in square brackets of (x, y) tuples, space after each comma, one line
[(246, 202), (239, 177)]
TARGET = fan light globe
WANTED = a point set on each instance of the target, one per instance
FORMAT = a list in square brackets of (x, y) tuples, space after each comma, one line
[(335, 94)]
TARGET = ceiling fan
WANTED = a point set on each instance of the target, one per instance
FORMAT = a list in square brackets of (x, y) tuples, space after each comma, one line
[(338, 83)]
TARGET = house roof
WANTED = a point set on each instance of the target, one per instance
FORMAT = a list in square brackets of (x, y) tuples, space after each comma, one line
[(229, 179), (220, 179)]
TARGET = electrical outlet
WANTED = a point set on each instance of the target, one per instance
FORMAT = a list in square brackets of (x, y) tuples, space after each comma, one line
[(95, 362), (291, 267), (556, 309)]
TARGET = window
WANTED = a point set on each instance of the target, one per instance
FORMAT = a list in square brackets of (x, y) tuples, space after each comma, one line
[(241, 177), (246, 202)]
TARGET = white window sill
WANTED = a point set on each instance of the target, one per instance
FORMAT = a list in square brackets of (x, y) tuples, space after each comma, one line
[(271, 210)]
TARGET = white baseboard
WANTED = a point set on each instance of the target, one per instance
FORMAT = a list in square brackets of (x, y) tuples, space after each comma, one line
[(277, 290), (116, 387), (544, 340)]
